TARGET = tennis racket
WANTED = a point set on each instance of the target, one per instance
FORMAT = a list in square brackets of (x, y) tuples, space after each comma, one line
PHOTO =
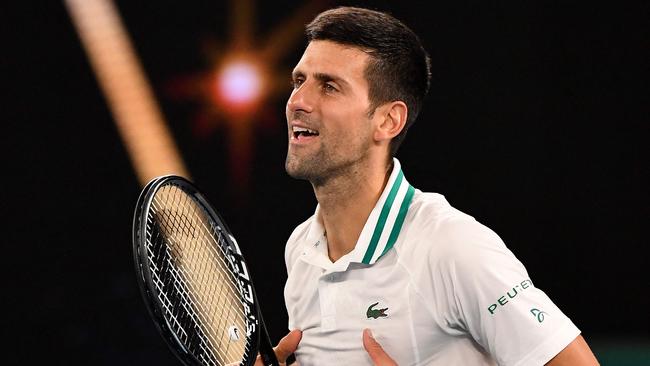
[(194, 279)]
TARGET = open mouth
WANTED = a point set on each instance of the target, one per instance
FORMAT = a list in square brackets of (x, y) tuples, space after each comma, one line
[(301, 132)]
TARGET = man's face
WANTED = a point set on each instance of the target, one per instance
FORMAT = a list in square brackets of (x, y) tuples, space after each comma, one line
[(327, 113)]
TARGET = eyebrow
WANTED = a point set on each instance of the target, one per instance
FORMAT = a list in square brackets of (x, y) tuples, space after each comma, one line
[(323, 77)]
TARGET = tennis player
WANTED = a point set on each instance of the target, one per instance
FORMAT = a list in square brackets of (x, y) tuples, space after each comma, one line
[(383, 273)]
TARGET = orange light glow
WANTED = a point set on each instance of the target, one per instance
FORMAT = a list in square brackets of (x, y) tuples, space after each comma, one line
[(239, 86)]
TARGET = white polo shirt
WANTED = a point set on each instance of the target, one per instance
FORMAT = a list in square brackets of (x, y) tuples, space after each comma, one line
[(435, 287)]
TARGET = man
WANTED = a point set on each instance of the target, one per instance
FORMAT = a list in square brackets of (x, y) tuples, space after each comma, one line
[(383, 273)]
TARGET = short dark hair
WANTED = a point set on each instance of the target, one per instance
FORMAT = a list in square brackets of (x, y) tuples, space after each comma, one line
[(399, 69)]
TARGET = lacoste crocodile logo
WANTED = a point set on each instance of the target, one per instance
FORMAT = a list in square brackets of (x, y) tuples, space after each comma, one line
[(376, 313)]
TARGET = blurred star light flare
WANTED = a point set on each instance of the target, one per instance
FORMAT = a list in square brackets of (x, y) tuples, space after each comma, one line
[(239, 86)]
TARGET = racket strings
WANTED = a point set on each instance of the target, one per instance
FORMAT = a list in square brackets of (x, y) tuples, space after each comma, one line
[(194, 278), (163, 277), (217, 249), (203, 310), (172, 288), (206, 348), (230, 308)]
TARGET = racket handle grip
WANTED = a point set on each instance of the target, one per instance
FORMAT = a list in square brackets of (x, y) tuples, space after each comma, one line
[(269, 361), (266, 349)]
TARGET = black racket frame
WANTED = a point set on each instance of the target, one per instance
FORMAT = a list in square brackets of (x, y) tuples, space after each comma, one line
[(255, 322)]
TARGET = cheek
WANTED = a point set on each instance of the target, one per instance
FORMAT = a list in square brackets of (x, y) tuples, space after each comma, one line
[(352, 131), (351, 118)]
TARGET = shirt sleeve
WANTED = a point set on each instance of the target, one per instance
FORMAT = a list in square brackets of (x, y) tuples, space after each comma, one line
[(494, 299)]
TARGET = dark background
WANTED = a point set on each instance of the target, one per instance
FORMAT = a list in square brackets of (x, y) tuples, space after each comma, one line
[(537, 125)]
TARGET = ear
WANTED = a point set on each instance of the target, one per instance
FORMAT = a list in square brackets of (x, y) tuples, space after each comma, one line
[(393, 119)]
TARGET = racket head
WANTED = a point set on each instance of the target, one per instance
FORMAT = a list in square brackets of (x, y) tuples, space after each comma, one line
[(206, 312)]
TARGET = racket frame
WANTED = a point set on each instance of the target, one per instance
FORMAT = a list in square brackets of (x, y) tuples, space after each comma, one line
[(256, 330)]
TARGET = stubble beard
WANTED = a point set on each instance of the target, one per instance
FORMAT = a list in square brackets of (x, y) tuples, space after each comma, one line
[(322, 166), (311, 167)]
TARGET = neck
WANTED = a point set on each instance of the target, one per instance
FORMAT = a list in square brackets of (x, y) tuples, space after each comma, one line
[(346, 202)]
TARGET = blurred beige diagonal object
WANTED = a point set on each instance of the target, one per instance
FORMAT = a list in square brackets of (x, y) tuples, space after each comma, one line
[(129, 95)]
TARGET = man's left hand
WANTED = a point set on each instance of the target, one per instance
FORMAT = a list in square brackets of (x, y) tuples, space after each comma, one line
[(375, 351)]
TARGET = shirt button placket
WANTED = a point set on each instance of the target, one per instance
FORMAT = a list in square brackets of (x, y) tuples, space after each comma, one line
[(327, 295)]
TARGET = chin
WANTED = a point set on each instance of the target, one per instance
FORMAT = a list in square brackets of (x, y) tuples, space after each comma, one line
[(297, 173), (300, 172), (293, 169)]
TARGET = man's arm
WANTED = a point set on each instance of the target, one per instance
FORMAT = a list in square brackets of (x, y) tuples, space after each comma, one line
[(576, 353)]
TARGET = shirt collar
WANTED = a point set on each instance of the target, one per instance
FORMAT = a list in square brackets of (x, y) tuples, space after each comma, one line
[(382, 227)]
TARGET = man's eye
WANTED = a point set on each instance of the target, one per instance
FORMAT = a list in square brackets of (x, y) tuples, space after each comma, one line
[(295, 83), (329, 87)]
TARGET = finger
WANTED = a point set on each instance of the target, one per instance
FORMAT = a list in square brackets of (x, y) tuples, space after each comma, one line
[(288, 345), (375, 351), (258, 361)]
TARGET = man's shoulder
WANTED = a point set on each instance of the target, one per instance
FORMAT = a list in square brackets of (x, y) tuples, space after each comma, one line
[(434, 216), (444, 232)]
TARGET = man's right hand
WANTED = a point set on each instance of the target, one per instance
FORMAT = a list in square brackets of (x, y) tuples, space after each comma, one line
[(285, 348)]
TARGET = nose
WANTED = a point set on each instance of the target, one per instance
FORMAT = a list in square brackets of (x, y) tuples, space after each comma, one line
[(300, 100)]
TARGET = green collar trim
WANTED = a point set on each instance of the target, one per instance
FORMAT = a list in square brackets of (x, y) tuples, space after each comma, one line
[(384, 222)]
